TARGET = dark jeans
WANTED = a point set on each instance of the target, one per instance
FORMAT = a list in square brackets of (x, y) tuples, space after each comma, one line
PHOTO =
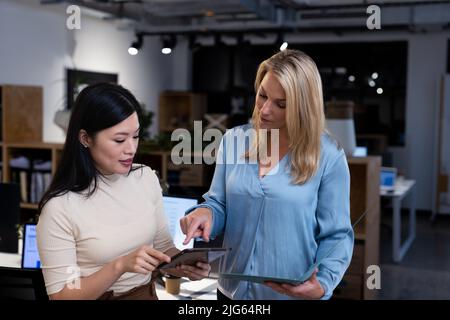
[(221, 296)]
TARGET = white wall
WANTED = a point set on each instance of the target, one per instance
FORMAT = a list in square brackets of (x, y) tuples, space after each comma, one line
[(427, 61), (33, 51), (443, 199), (101, 47), (36, 47), (182, 68)]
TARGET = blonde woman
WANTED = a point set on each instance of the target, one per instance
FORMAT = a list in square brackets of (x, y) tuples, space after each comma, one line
[(280, 216)]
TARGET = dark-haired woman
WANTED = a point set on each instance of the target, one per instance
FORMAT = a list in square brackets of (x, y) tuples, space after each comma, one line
[(102, 229)]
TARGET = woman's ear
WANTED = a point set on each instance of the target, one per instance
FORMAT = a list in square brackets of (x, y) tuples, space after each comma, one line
[(84, 139)]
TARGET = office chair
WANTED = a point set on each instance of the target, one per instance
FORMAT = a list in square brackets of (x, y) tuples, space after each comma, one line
[(22, 284)]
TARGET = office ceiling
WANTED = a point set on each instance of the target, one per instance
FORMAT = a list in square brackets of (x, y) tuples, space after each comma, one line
[(194, 16)]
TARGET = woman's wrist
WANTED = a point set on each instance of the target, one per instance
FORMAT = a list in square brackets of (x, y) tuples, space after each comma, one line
[(208, 209), (118, 266), (321, 290)]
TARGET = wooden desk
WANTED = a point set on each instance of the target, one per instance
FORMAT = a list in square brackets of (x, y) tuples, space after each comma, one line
[(12, 260), (190, 290)]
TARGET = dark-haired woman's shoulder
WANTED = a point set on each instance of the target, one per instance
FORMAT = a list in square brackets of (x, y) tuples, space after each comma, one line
[(143, 170), (147, 174), (57, 212)]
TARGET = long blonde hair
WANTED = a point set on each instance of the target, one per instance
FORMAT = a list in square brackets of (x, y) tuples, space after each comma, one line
[(305, 119)]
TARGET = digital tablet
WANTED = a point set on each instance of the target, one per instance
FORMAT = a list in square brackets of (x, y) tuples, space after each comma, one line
[(305, 277), (260, 279), (194, 255)]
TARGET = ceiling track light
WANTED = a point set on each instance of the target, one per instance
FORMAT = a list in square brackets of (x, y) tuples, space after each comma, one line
[(168, 43), (136, 45)]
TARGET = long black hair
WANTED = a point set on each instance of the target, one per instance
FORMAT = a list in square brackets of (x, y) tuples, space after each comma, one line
[(96, 108)]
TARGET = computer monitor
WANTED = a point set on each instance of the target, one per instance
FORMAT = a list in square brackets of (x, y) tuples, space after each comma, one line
[(30, 253), (175, 207), (388, 176), (360, 152)]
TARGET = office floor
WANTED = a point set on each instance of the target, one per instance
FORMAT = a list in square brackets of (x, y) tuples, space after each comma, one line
[(424, 272)]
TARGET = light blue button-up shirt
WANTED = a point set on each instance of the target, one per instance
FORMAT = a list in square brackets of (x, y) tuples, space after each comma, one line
[(276, 228)]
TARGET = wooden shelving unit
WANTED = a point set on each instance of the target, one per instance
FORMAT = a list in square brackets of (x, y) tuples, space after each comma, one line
[(182, 175), (179, 109), (21, 135), (54, 150), (364, 197), (21, 113), (32, 206), (49, 151)]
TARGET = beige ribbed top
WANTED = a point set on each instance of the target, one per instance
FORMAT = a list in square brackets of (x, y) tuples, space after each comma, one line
[(79, 234)]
